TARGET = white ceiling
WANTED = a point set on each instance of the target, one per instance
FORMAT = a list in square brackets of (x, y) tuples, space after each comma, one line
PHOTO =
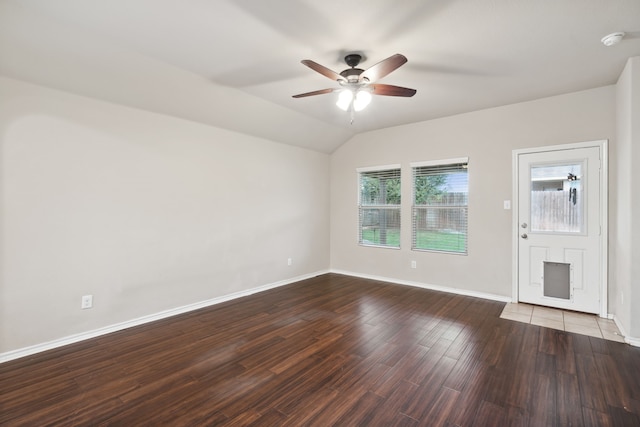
[(236, 63)]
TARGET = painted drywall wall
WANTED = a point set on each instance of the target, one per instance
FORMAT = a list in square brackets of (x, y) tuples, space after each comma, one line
[(143, 211), (625, 202), (487, 137)]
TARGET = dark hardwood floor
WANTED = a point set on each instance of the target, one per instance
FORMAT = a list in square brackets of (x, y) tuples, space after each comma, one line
[(332, 350)]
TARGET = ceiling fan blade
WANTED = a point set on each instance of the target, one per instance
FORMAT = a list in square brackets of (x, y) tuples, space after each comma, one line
[(382, 68), (322, 70), (316, 92), (390, 90)]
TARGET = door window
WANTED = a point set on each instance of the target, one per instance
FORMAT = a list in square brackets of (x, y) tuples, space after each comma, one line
[(557, 198)]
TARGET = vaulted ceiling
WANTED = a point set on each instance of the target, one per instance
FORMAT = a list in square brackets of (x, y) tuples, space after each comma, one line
[(235, 64)]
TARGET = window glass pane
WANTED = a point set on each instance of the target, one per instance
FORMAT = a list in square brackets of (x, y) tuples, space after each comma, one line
[(380, 188), (379, 207), (557, 198), (440, 208), (380, 227), (441, 229)]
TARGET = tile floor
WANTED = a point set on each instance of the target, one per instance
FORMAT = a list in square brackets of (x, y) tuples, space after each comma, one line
[(570, 321)]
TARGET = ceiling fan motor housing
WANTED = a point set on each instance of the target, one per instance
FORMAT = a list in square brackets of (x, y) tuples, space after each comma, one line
[(352, 74)]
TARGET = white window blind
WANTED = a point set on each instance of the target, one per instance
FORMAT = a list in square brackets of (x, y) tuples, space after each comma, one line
[(379, 208), (440, 206)]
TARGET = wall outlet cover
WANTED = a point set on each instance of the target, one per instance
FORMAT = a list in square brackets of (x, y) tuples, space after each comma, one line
[(87, 302)]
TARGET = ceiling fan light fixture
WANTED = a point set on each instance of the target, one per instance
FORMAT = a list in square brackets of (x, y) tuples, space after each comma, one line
[(344, 99), (359, 99), (362, 99)]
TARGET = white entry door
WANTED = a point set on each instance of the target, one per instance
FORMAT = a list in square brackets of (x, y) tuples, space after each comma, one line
[(560, 257)]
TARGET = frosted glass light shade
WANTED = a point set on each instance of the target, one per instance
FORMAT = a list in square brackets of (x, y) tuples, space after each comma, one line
[(344, 99), (363, 98)]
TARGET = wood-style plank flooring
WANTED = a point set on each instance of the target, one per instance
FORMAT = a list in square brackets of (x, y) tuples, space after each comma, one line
[(332, 350)]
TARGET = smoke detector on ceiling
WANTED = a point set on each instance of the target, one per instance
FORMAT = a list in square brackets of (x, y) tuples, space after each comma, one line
[(612, 39)]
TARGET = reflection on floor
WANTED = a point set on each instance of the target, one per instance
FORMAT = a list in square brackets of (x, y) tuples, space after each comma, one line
[(570, 321)]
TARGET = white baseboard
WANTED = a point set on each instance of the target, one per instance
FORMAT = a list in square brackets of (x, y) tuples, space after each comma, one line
[(38, 348), (629, 340), (457, 291)]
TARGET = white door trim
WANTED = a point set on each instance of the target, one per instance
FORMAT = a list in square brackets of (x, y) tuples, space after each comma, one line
[(604, 219)]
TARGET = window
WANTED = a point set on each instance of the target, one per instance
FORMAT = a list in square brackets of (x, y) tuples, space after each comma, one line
[(440, 199), (557, 198), (379, 206)]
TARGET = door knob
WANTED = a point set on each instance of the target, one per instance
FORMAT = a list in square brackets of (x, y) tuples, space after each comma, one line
[(524, 235), (523, 225)]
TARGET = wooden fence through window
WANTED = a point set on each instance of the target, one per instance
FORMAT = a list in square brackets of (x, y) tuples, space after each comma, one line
[(556, 211)]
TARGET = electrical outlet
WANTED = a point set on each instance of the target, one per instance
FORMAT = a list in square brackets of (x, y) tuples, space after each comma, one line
[(289, 261), (87, 302), (414, 264)]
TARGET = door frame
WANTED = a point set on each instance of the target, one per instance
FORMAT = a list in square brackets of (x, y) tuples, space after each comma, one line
[(604, 211)]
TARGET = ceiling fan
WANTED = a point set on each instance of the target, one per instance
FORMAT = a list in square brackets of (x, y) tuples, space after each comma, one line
[(357, 85)]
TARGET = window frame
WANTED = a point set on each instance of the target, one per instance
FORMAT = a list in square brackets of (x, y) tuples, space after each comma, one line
[(361, 207), (462, 163)]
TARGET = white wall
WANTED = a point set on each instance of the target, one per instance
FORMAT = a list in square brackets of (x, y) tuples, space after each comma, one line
[(143, 211), (487, 137), (625, 245)]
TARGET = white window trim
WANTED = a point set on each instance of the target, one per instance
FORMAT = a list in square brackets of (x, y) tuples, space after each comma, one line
[(378, 168), (440, 162)]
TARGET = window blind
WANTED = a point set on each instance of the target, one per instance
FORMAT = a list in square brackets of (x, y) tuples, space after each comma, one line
[(379, 208), (440, 207)]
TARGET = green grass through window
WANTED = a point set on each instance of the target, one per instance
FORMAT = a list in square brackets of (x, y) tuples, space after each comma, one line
[(372, 236), (441, 241), (427, 240)]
